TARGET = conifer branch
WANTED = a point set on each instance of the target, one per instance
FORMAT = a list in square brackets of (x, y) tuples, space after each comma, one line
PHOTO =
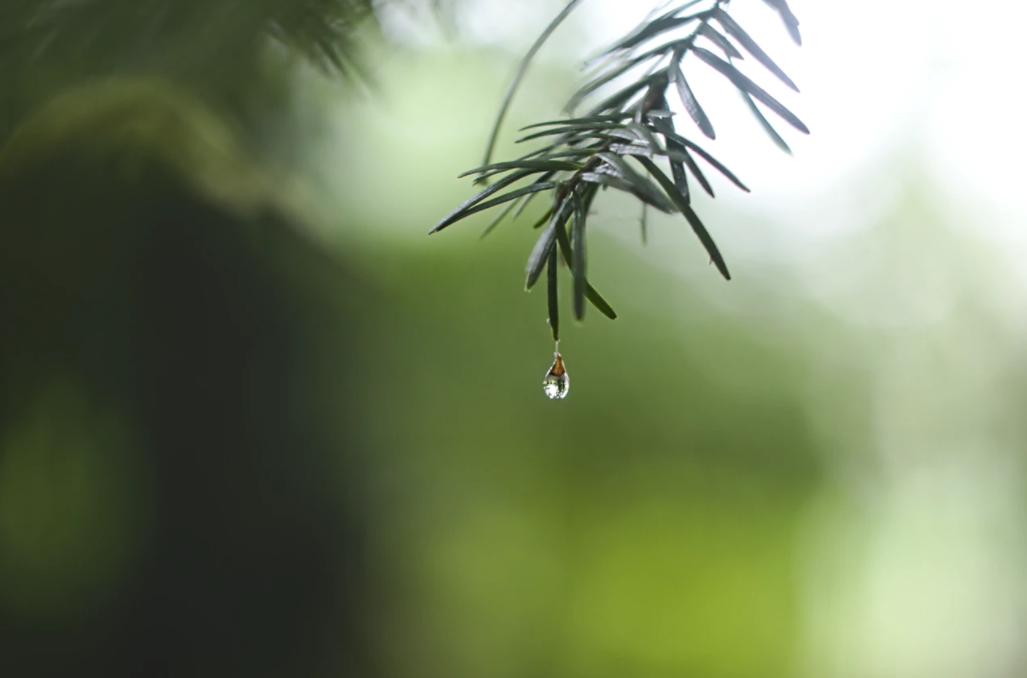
[(622, 140)]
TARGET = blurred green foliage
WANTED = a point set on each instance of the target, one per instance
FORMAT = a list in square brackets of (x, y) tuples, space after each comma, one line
[(220, 49)]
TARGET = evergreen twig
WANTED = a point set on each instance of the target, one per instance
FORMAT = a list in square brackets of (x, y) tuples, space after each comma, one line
[(621, 140)]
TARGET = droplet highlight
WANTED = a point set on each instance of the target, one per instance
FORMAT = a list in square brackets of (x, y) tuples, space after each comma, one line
[(557, 383)]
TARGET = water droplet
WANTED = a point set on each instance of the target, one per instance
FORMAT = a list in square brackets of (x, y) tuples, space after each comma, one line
[(557, 383)]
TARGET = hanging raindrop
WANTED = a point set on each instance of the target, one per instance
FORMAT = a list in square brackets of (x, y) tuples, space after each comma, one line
[(557, 383)]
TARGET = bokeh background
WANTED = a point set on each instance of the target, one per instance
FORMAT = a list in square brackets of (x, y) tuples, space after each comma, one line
[(253, 421)]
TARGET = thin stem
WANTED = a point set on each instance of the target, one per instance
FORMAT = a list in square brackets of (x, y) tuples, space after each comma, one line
[(522, 69)]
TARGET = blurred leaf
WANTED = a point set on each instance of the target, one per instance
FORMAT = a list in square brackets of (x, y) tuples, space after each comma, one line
[(632, 149), (650, 30), (641, 185), (650, 18), (578, 240), (190, 40), (542, 220), (677, 170), (643, 221), (690, 215), (599, 81), (791, 23), (527, 201), (462, 211), (544, 244), (677, 166), (580, 121), (690, 102), (506, 197), (621, 97), (673, 138), (658, 113), (765, 124), (499, 218), (591, 294), (565, 129), (601, 304), (720, 41), (139, 119), (696, 172), (746, 85), (544, 165), (608, 180), (736, 32), (554, 297), (644, 134)]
